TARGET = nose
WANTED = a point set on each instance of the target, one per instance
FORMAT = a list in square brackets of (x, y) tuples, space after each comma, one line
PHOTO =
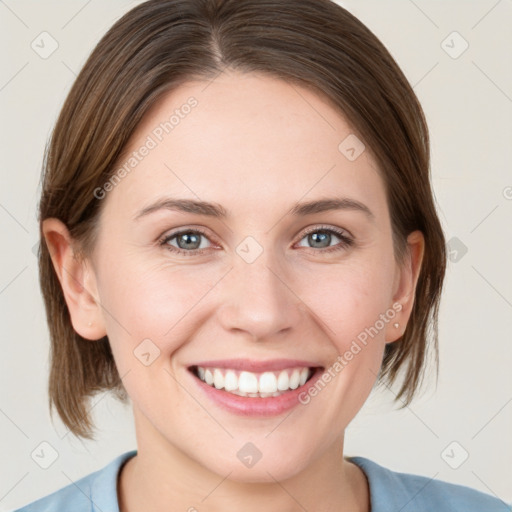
[(258, 299)]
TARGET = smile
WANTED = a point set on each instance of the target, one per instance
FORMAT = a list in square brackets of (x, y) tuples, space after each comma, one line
[(253, 384), (256, 388)]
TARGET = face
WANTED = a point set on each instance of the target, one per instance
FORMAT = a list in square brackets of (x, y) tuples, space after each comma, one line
[(282, 307)]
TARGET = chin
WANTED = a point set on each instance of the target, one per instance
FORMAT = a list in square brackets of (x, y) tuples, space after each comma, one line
[(246, 463)]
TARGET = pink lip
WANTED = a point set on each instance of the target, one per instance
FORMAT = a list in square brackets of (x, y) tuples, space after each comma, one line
[(256, 406), (251, 365)]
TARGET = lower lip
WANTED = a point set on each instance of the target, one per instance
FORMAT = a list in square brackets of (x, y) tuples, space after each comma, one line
[(256, 406)]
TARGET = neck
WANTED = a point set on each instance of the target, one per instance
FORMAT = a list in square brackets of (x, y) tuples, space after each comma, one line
[(163, 478)]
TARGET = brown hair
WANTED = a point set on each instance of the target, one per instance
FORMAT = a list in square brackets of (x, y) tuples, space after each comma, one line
[(161, 44)]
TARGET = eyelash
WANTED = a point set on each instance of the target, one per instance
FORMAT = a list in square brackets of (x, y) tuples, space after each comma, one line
[(345, 243)]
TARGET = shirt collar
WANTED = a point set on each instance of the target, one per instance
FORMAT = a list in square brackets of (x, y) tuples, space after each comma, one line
[(104, 486)]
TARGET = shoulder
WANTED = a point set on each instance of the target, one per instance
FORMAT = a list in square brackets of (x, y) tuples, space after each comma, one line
[(392, 490), (94, 492)]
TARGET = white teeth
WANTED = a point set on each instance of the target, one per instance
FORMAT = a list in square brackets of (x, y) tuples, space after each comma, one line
[(248, 382), (208, 377), (268, 383), (283, 381), (230, 381), (263, 385), (294, 379), (218, 379)]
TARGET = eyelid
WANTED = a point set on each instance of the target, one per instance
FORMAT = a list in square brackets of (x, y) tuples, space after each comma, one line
[(325, 227), (347, 239), (184, 229), (169, 235)]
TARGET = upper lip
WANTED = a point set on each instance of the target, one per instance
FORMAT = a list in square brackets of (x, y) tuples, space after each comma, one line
[(252, 365)]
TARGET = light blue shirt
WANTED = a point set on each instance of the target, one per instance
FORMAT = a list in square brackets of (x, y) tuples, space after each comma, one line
[(390, 491)]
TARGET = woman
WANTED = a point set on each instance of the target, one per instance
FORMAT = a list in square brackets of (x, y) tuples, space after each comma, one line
[(240, 236)]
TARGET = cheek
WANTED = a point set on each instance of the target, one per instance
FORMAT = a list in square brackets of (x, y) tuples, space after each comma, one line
[(152, 313), (349, 299), (353, 307), (159, 304)]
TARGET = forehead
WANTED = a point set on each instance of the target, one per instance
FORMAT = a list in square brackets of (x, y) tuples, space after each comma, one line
[(243, 140)]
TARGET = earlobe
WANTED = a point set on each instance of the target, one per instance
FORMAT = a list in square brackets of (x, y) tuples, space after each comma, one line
[(406, 279), (77, 281)]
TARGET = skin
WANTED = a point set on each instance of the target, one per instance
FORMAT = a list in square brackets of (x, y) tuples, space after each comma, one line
[(256, 145)]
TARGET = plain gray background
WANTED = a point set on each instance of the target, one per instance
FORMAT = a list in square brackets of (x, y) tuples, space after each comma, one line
[(467, 96)]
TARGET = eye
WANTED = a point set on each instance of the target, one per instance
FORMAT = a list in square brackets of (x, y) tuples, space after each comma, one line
[(188, 242), (320, 237)]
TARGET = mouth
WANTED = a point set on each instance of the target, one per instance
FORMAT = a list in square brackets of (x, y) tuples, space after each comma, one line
[(251, 384), (250, 387)]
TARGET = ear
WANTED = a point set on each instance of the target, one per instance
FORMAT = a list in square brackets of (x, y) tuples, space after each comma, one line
[(406, 279), (77, 280)]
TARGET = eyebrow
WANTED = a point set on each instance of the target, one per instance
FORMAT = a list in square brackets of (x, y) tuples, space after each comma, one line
[(218, 211), (330, 203)]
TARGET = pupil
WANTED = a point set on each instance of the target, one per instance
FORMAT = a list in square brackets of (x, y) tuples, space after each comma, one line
[(322, 236), (319, 239), (189, 238)]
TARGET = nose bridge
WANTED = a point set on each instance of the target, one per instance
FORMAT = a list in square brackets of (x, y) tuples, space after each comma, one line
[(259, 300)]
